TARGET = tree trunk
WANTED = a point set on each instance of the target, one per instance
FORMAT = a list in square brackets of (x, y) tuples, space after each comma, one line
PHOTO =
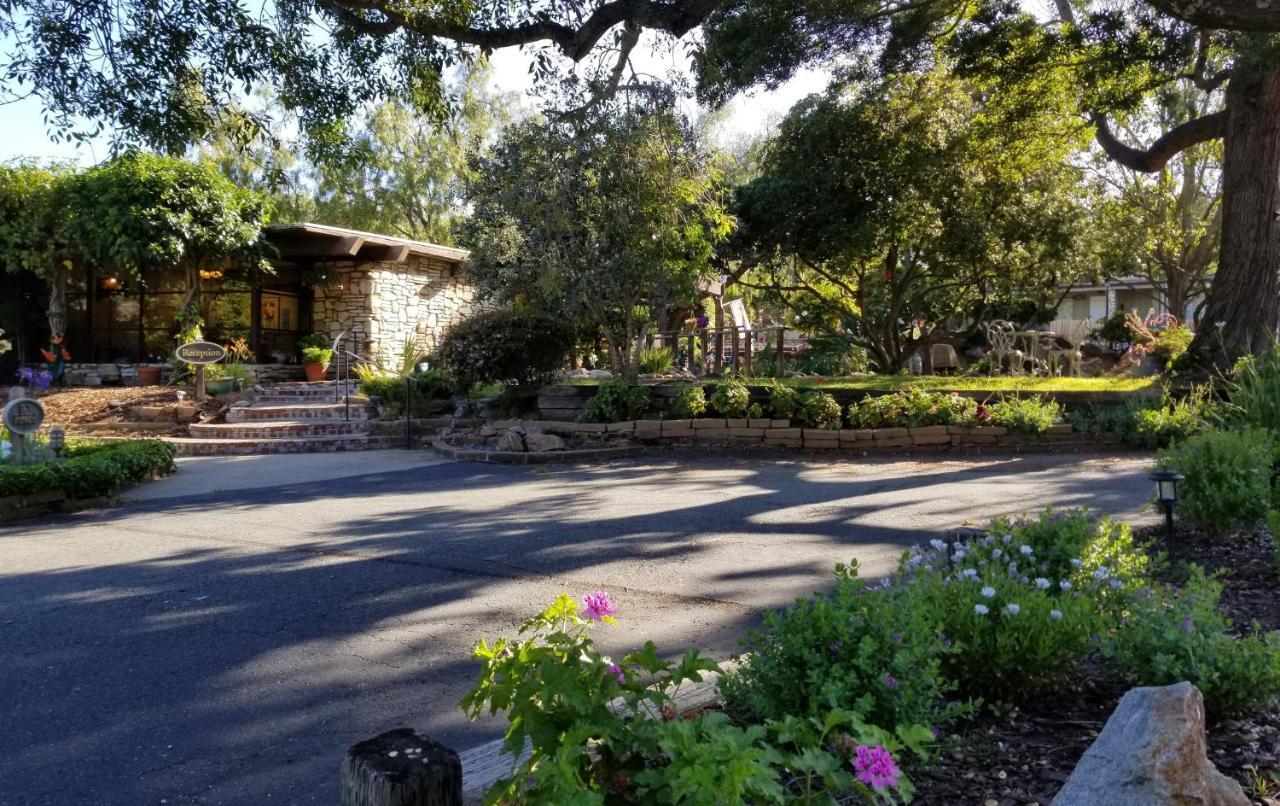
[(1243, 296), (58, 303)]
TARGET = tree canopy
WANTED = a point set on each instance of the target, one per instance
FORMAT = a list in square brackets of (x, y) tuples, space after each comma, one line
[(603, 222)]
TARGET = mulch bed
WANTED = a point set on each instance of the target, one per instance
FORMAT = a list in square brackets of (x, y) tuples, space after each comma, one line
[(1024, 756), (109, 405)]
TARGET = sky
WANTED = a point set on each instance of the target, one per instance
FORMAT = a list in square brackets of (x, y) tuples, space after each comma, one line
[(24, 135)]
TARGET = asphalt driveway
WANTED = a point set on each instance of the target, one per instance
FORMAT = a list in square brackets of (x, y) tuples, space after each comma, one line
[(226, 647)]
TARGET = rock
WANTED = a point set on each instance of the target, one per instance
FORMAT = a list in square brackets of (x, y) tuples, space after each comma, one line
[(577, 373), (512, 441), (1151, 753), (240, 404), (540, 443), (487, 430), (600, 374)]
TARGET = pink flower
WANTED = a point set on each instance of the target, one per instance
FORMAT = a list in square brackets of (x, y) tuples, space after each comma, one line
[(616, 670), (597, 605), (875, 766)]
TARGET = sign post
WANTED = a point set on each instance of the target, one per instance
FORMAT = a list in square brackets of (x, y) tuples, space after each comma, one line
[(198, 354), (22, 416)]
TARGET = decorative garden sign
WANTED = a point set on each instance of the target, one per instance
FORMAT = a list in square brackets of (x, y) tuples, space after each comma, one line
[(23, 416), (200, 353)]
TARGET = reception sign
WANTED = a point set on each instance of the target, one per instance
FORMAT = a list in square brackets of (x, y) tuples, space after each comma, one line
[(200, 352)]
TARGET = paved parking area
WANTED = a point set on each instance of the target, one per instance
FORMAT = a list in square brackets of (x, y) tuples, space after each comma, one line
[(226, 647)]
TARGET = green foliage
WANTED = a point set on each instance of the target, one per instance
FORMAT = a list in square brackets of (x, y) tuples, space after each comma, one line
[(636, 209), (509, 345), (317, 355), (731, 399), (1033, 415), (830, 354), (1227, 477), (1146, 422), (1254, 397), (690, 401), (33, 222), (314, 340), (90, 470), (616, 401), (784, 401), (1170, 344), (429, 391), (912, 408), (1176, 635), (655, 360), (1114, 329), (819, 410), (870, 651)]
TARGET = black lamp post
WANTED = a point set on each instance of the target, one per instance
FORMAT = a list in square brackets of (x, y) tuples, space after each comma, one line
[(1167, 495)]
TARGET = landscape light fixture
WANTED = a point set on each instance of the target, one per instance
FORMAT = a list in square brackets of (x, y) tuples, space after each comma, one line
[(1167, 495)]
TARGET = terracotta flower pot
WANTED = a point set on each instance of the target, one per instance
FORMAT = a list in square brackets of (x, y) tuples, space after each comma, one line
[(315, 372), (148, 376)]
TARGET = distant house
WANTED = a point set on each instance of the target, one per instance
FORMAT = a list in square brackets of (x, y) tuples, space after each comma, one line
[(1097, 302), (382, 291)]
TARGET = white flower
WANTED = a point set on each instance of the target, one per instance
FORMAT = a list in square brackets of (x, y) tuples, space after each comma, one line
[(1012, 609), (1008, 539), (1026, 550), (938, 544), (996, 554), (1115, 583), (1076, 563), (988, 591), (1013, 569), (981, 609), (1056, 615), (916, 560), (960, 554), (1101, 573), (1042, 583), (1065, 584), (968, 573)]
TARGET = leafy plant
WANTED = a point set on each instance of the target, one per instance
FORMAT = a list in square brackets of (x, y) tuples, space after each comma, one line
[(1169, 344), (1254, 397), (1177, 635), (429, 391), (912, 408), (731, 399), (690, 401), (830, 355), (819, 410), (1033, 415), (784, 401), (1113, 330), (317, 355), (1227, 477), (509, 345), (655, 360), (90, 470), (314, 340), (616, 401)]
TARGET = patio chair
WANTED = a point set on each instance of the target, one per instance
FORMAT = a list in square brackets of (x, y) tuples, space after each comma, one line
[(1063, 350), (1003, 339)]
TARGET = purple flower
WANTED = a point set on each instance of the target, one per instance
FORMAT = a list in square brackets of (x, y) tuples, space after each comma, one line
[(875, 766), (890, 681), (616, 670), (597, 605), (1188, 625)]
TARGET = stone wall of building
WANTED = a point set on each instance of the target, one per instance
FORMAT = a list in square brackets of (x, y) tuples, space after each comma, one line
[(382, 305)]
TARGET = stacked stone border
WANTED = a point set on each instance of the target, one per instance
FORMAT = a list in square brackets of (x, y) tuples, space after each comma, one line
[(783, 434), (45, 502), (535, 457)]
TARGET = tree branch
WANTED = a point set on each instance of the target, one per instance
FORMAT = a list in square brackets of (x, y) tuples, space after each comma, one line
[(1169, 145), (1235, 15), (383, 17)]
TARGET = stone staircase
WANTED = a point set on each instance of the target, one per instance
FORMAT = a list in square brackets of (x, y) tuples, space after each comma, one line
[(286, 418)]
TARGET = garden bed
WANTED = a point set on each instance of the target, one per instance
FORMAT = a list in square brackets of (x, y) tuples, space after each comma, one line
[(91, 474)]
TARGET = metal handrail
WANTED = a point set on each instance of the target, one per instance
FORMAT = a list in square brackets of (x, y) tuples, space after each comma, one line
[(346, 356)]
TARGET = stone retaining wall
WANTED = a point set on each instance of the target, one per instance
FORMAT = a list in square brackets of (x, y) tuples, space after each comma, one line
[(20, 507), (127, 374), (781, 433)]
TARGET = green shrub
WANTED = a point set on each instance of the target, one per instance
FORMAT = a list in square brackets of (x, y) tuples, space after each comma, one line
[(1227, 477), (616, 401), (655, 360), (317, 355), (1170, 344), (90, 470), (784, 401), (315, 340), (1033, 415), (690, 401), (831, 354), (1113, 330), (731, 399), (508, 345), (867, 650), (912, 408), (1146, 422), (819, 410), (1177, 635), (1254, 398), (429, 392)]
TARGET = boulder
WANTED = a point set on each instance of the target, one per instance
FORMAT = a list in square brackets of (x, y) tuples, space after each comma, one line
[(512, 441), (540, 443), (599, 374), (1151, 753)]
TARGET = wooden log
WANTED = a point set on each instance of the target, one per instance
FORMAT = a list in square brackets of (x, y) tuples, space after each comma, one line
[(400, 768)]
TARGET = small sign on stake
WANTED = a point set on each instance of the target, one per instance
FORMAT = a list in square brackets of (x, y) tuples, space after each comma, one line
[(198, 354), (22, 416)]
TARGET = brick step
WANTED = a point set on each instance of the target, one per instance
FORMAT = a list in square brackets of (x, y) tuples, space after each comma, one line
[(297, 411), (304, 400), (269, 429), (189, 446)]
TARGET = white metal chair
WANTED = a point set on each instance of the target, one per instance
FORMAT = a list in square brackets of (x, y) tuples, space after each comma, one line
[(1003, 339)]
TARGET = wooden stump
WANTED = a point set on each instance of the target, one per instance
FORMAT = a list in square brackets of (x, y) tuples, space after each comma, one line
[(400, 768)]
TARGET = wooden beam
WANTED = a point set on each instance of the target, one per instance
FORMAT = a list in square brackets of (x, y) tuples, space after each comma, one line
[(293, 246), (385, 253)]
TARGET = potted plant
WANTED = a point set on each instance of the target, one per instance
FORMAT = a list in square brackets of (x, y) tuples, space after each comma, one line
[(316, 355), (217, 380)]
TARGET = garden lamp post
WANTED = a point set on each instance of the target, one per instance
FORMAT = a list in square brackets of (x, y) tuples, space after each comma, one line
[(57, 441), (1167, 495)]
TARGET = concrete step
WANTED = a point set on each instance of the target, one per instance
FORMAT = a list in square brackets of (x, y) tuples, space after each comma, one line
[(286, 400), (268, 429), (190, 446), (297, 411)]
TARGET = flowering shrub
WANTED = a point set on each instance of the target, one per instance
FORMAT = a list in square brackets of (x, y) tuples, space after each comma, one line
[(599, 730), (819, 410), (871, 651), (1033, 415), (731, 399), (1227, 476), (912, 408), (690, 401), (35, 377), (1180, 635)]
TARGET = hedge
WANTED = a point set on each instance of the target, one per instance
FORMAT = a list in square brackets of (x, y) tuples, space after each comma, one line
[(90, 470)]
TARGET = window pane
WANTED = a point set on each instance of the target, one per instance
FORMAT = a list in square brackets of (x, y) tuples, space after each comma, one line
[(125, 311), (173, 280), (160, 310), (159, 345), (76, 312), (226, 316)]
